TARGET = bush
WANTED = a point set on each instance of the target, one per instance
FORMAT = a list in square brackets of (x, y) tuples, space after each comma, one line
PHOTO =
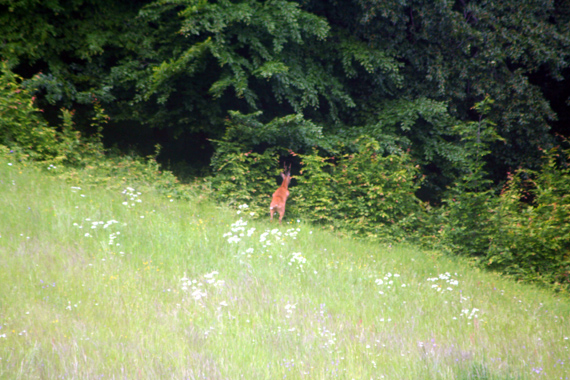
[(246, 160), (464, 221), (523, 232), (244, 177), (532, 218), (21, 125), (362, 190), (26, 136), (366, 192), (314, 195), (24, 130)]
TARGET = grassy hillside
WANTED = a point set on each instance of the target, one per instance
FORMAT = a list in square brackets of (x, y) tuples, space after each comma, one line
[(121, 283)]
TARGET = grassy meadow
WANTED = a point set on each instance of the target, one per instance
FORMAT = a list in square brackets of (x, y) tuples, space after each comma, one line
[(118, 282)]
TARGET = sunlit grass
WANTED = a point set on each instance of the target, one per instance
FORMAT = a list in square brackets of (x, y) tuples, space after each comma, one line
[(98, 283)]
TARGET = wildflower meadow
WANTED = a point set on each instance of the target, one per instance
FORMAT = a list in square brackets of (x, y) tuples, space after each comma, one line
[(121, 282)]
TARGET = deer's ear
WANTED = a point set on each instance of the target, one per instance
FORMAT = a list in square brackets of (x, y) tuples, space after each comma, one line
[(283, 175)]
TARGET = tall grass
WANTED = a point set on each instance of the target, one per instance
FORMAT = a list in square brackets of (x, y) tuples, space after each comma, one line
[(106, 283)]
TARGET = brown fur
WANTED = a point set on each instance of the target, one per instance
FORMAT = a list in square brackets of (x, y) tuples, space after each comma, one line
[(280, 195)]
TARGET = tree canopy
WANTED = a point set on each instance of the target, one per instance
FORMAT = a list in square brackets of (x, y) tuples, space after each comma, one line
[(402, 72)]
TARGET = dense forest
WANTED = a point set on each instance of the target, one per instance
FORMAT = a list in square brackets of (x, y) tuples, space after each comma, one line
[(440, 121)]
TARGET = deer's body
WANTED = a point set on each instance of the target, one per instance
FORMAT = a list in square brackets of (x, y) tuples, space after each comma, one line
[(280, 196)]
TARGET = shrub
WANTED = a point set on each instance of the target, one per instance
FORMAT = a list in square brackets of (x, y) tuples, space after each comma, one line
[(366, 191), (362, 190), (314, 195), (376, 192), (465, 224), (21, 125), (26, 135), (244, 177), (246, 160), (533, 238), (24, 130)]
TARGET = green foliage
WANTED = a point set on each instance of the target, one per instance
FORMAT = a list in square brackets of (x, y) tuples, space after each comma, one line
[(265, 55), (532, 240), (21, 123), (402, 70), (523, 232), (315, 192), (465, 223), (425, 128), (24, 129), (460, 52), (375, 193), (366, 191), (115, 171), (292, 131), (244, 177), (76, 150), (25, 134), (246, 158), (362, 189)]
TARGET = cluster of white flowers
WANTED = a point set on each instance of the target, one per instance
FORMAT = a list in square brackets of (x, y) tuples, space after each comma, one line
[(75, 189), (263, 239), (112, 238), (233, 239), (210, 279), (110, 223), (99, 223), (238, 228), (244, 207), (447, 279), (299, 259), (289, 308), (292, 232), (238, 231), (276, 234), (388, 281), (196, 288), (469, 313), (329, 337), (132, 195), (95, 225)]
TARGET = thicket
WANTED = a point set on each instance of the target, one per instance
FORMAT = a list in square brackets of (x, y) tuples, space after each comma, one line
[(523, 231), (364, 191), (62, 150), (531, 219)]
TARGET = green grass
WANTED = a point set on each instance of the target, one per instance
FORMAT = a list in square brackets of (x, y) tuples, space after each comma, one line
[(159, 289)]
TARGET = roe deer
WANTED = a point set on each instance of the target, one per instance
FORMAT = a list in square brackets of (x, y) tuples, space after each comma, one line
[(280, 195)]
